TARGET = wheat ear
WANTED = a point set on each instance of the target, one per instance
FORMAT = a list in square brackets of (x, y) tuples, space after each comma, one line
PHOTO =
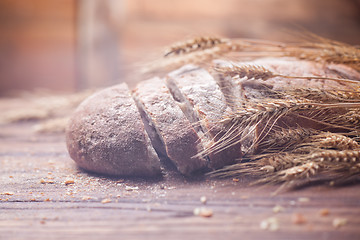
[(194, 45), (259, 72)]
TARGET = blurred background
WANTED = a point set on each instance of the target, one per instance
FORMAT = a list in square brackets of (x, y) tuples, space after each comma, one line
[(71, 45)]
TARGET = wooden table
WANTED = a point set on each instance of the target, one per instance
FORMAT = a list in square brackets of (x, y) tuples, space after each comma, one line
[(45, 196)]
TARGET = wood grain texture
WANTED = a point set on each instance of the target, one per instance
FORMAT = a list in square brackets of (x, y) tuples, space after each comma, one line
[(34, 169)]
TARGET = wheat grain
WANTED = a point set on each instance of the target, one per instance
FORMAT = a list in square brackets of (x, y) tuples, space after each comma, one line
[(285, 139), (352, 116), (336, 156), (322, 49), (260, 72), (334, 141), (324, 96), (305, 170), (249, 71), (193, 45)]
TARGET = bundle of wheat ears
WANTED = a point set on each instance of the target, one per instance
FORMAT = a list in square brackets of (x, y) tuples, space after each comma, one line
[(291, 134)]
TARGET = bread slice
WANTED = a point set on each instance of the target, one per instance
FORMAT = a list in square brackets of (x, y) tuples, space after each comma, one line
[(106, 135), (171, 133), (202, 102)]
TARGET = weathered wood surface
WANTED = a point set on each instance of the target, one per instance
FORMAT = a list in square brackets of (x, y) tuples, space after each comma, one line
[(34, 169)]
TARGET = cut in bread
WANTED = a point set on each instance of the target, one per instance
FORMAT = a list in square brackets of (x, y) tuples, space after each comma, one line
[(106, 135), (203, 103), (171, 133)]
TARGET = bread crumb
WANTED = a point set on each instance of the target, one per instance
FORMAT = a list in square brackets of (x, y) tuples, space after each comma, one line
[(43, 181), (203, 212), (324, 212), (235, 180), (271, 224), (129, 188), (339, 222), (86, 198), (7, 193), (69, 181), (298, 218), (106, 200), (203, 199), (303, 199), (278, 209)]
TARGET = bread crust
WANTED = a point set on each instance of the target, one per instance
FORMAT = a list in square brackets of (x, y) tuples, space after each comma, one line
[(106, 135)]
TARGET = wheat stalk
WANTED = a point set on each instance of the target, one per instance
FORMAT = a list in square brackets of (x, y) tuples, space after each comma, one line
[(204, 49), (334, 141), (195, 45), (259, 72), (313, 48), (285, 139), (318, 48), (277, 152), (336, 156), (266, 114), (324, 96)]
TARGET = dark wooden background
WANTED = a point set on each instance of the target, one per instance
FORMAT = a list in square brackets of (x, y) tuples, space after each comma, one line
[(69, 45)]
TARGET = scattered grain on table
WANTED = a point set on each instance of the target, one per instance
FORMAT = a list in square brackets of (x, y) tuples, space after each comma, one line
[(203, 212), (303, 199), (203, 199), (339, 222), (106, 200), (298, 218), (271, 224), (7, 193), (130, 188), (278, 209), (86, 198), (69, 181), (324, 212)]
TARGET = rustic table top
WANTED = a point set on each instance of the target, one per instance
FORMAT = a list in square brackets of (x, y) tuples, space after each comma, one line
[(43, 195)]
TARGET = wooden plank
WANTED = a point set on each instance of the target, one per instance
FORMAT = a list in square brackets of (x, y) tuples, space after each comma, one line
[(34, 169)]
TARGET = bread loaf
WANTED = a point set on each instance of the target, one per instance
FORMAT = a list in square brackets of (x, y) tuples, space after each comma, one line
[(106, 135), (187, 114)]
